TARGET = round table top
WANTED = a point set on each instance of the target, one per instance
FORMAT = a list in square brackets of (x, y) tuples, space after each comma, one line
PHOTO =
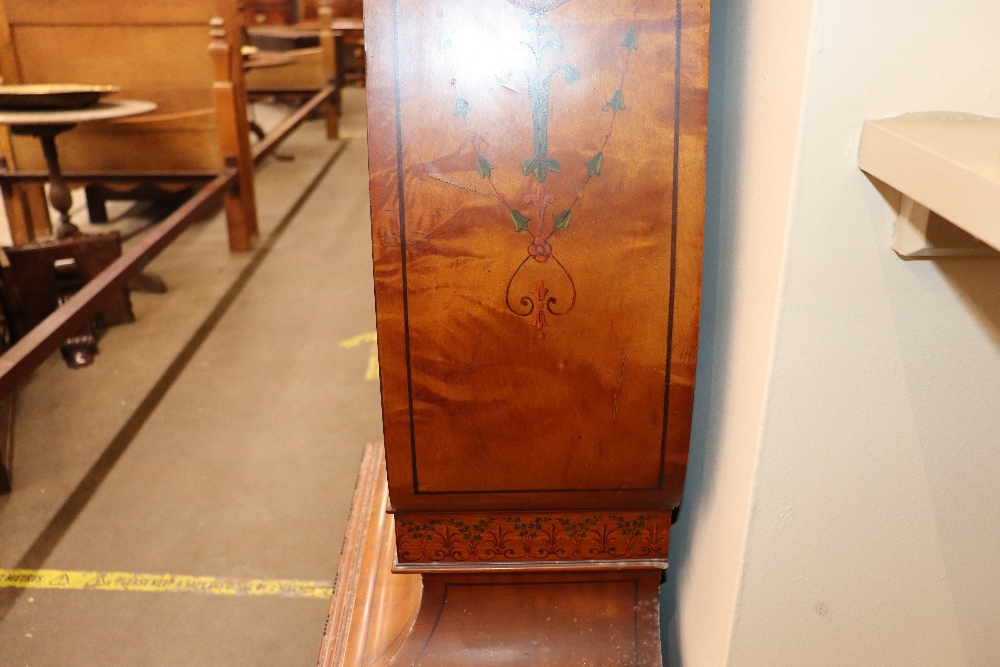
[(103, 110)]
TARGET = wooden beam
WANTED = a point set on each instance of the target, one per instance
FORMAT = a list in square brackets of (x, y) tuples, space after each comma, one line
[(17, 363), (80, 177), (280, 133)]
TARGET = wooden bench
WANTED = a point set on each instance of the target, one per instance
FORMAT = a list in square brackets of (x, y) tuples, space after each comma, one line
[(314, 67), (154, 50)]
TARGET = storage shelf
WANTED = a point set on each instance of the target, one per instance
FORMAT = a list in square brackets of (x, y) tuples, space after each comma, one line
[(946, 163)]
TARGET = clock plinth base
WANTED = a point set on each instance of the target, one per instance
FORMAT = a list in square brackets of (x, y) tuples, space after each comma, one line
[(557, 618)]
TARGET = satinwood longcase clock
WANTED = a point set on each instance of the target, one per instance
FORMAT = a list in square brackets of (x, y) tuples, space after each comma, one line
[(537, 186)]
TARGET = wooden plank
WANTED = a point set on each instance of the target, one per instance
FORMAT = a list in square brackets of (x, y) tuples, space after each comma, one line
[(92, 151), (17, 363), (159, 57), (105, 12), (95, 177)]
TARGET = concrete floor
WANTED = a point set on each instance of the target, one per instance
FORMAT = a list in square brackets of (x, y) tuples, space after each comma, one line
[(218, 435)]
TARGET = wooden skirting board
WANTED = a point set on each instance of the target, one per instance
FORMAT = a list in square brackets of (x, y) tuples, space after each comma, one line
[(560, 617)]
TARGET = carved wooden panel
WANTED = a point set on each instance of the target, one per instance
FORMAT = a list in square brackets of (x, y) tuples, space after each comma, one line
[(537, 177)]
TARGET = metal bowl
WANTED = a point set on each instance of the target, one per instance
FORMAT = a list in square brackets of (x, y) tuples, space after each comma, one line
[(51, 96)]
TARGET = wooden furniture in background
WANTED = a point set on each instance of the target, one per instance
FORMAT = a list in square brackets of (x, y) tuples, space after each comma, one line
[(309, 9), (18, 362), (47, 125), (314, 67), (348, 25), (270, 12), (202, 143), (537, 187), (31, 282), (201, 97), (351, 31)]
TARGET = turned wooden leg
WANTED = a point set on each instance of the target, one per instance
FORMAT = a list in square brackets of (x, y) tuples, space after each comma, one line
[(59, 193)]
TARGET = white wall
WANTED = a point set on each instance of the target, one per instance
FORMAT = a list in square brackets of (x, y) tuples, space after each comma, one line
[(843, 505)]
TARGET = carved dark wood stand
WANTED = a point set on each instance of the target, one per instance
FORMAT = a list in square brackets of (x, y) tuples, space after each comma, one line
[(537, 183)]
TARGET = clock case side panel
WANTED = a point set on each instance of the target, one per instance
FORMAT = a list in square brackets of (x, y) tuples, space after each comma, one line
[(389, 243)]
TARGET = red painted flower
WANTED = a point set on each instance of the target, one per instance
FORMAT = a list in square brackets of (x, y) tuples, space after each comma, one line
[(540, 249)]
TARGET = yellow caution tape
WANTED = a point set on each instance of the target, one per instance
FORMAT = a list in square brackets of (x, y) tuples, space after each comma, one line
[(371, 373), (161, 583)]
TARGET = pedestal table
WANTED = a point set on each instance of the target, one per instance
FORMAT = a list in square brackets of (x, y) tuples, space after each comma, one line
[(47, 125)]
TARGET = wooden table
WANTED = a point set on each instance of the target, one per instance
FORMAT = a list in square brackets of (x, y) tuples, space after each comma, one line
[(46, 125)]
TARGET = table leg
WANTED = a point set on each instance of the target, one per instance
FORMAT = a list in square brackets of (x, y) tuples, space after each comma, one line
[(59, 194)]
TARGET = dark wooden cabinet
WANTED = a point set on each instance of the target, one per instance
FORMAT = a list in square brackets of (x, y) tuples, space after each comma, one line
[(537, 185)]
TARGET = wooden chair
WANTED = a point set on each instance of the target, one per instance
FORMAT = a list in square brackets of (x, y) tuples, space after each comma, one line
[(154, 50)]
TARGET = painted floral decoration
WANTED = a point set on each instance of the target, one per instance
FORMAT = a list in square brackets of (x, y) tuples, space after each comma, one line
[(540, 249), (538, 6), (535, 218)]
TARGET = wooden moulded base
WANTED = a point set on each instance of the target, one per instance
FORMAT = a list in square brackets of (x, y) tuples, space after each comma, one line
[(557, 618)]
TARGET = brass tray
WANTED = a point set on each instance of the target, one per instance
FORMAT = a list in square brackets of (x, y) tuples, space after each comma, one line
[(51, 96)]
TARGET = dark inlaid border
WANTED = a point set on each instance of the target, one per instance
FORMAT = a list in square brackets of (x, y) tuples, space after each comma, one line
[(401, 192)]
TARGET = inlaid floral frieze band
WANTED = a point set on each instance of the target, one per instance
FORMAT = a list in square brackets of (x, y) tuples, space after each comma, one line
[(470, 538)]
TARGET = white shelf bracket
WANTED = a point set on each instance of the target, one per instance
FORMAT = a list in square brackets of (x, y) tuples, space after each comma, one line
[(921, 234), (946, 167), (910, 236)]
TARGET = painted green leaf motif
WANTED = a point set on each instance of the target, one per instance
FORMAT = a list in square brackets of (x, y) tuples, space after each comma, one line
[(520, 222), (562, 220), (631, 41), (461, 107), (540, 168), (553, 45), (594, 164), (485, 168), (617, 102), (571, 74)]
